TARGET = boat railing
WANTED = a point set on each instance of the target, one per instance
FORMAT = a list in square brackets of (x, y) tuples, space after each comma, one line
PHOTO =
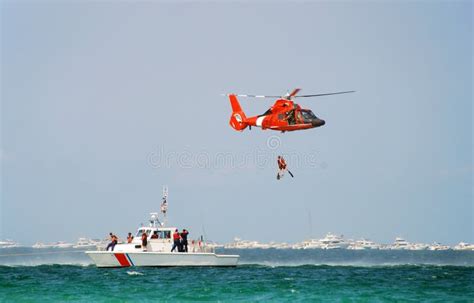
[(198, 246)]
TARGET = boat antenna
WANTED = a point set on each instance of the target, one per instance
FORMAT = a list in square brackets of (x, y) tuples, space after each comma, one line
[(164, 203), (204, 231)]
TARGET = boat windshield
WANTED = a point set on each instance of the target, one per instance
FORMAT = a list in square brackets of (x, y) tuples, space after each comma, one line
[(164, 234), (141, 231)]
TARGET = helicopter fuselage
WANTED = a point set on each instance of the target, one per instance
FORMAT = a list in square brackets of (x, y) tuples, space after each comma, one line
[(284, 115)]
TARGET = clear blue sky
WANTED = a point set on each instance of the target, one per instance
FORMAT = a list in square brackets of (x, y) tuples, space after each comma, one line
[(92, 92)]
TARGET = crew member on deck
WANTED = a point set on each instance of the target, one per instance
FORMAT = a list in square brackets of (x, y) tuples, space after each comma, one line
[(184, 240), (144, 241), (113, 242), (155, 235), (129, 238), (176, 243)]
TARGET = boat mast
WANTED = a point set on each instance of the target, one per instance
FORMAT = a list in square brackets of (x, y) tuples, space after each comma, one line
[(154, 217), (164, 204)]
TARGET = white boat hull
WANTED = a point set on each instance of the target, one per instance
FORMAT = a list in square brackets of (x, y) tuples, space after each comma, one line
[(124, 259)]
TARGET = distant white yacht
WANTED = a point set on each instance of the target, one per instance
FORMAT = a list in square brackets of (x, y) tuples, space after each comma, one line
[(245, 244), (59, 244), (62, 244), (42, 245), (331, 241), (280, 245), (418, 246), (438, 246), (363, 244), (214, 245), (7, 243), (88, 243), (400, 243), (464, 246), (308, 244)]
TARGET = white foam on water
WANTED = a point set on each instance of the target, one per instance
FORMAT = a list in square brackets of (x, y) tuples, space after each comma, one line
[(36, 257)]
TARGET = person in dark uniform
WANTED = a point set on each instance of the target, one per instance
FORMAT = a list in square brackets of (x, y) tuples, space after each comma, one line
[(184, 240)]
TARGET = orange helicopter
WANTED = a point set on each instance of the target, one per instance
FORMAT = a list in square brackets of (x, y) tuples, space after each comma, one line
[(284, 115)]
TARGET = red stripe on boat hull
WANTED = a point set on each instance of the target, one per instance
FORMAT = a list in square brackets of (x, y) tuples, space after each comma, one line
[(122, 260)]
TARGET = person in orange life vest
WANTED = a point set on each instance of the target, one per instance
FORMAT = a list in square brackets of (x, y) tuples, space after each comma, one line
[(281, 163), (176, 242), (144, 241), (281, 167)]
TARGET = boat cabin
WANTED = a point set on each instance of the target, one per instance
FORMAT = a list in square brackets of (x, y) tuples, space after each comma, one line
[(162, 242), (162, 233)]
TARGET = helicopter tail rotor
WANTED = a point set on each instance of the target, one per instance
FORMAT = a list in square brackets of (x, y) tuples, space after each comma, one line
[(238, 120)]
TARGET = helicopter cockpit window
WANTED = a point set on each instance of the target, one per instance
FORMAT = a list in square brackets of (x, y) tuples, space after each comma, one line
[(308, 115)]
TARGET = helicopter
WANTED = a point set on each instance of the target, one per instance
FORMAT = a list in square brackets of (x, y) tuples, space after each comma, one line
[(285, 115)]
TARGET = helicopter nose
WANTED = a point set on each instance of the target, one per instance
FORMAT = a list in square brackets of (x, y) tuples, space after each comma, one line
[(318, 122)]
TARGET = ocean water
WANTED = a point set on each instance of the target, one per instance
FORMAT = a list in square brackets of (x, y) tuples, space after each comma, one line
[(28, 275)]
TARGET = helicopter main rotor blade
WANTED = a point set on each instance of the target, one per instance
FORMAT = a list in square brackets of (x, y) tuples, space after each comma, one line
[(252, 96), (258, 96), (290, 96), (328, 94)]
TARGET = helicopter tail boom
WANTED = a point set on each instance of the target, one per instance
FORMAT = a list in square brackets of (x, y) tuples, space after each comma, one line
[(238, 120)]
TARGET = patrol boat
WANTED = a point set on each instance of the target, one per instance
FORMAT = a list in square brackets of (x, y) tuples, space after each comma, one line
[(157, 252)]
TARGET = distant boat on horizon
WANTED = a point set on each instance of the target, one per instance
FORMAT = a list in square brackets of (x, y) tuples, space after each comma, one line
[(59, 244), (7, 243)]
